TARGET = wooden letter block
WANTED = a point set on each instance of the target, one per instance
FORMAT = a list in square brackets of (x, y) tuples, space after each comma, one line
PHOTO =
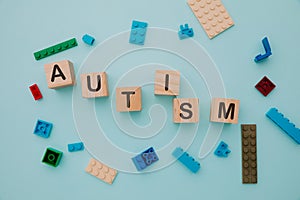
[(186, 110), (129, 99), (94, 85), (224, 110), (60, 74), (167, 82)]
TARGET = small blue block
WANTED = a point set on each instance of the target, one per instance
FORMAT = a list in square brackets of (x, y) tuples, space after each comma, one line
[(222, 150), (75, 147), (138, 32), (185, 32), (267, 48), (186, 160), (43, 128), (145, 159), (88, 39)]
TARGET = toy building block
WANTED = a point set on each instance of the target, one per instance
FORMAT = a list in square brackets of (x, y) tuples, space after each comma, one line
[(186, 110), (138, 32), (145, 159), (222, 150), (267, 48), (94, 85), (224, 110), (212, 15), (101, 171), (167, 82), (88, 39), (265, 86), (185, 32), (284, 124), (59, 74), (186, 160), (35, 91), (55, 49), (249, 157), (43, 128), (75, 147), (129, 99), (52, 157)]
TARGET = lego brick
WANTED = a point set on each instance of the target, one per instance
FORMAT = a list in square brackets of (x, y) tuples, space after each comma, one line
[(94, 85), (167, 82), (145, 159), (222, 150), (212, 15), (59, 74), (249, 157), (55, 49), (186, 110), (35, 91), (185, 32), (52, 157), (267, 48), (129, 99), (88, 39), (265, 86), (186, 160), (138, 32), (75, 147), (224, 110), (43, 128), (288, 127)]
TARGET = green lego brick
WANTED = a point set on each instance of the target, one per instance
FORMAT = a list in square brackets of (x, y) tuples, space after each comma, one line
[(55, 49), (52, 157)]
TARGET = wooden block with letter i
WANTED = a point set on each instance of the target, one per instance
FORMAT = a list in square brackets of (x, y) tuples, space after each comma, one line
[(186, 110), (224, 110), (94, 85), (129, 99), (167, 82)]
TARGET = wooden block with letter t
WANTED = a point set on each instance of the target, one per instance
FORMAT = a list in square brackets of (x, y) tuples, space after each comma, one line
[(94, 85), (167, 82), (129, 99), (186, 110), (224, 110)]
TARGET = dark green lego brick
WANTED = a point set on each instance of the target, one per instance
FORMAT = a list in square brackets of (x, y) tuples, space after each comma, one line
[(55, 49), (52, 157)]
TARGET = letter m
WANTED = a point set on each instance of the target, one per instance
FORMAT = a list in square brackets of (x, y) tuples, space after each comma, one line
[(225, 112)]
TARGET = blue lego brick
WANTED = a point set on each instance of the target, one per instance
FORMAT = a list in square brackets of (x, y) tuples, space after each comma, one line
[(185, 32), (138, 32), (222, 150), (88, 39), (43, 128), (186, 160), (145, 159), (284, 124), (268, 51), (75, 147)]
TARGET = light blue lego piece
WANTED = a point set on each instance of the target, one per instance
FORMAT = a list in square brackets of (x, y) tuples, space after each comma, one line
[(43, 128), (284, 124), (186, 160), (75, 147), (145, 159), (138, 32), (222, 150), (185, 32), (88, 39), (267, 48)]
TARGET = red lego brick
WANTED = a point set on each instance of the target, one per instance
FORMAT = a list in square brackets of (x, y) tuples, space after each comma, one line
[(265, 86), (36, 93)]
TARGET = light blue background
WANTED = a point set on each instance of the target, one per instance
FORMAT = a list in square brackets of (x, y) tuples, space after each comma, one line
[(27, 26)]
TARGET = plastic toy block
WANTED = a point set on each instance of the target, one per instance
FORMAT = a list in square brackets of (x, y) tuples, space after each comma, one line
[(129, 99), (185, 32), (186, 160), (284, 124), (35, 91), (267, 48), (145, 159), (60, 74), (101, 171), (138, 32), (249, 158), (212, 15), (222, 150), (224, 110), (265, 86), (167, 82), (43, 128), (52, 157), (94, 85), (75, 147), (88, 39), (185, 110), (55, 49)]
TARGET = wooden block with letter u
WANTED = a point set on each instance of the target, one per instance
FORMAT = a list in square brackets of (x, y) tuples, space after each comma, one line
[(129, 99), (224, 110), (94, 85), (186, 110)]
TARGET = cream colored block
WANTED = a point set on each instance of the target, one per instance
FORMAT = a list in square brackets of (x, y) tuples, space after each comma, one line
[(167, 82), (94, 85), (129, 99), (186, 110), (224, 110)]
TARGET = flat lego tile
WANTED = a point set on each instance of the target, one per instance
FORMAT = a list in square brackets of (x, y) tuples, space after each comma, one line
[(186, 110), (52, 157), (224, 110), (138, 32), (186, 160), (129, 99), (35, 91), (222, 150), (212, 15), (145, 159), (265, 86), (94, 85), (185, 32), (88, 39), (43, 128), (101, 171), (75, 147), (167, 82)]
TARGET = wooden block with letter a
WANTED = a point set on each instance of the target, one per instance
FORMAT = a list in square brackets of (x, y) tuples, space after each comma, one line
[(186, 110), (129, 99), (94, 85)]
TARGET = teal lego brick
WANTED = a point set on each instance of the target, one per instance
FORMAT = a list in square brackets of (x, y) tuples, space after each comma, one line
[(186, 160)]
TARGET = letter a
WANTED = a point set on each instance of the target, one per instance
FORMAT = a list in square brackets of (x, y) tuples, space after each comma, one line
[(60, 73)]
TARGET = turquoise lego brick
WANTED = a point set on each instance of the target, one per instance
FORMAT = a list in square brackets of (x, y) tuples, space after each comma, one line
[(75, 147), (55, 49), (52, 157), (222, 150), (284, 124), (138, 32), (185, 32), (267, 48), (88, 39), (186, 160), (43, 128), (145, 159)]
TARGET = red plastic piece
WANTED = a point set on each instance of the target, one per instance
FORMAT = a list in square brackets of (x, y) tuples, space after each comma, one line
[(36, 93), (265, 86)]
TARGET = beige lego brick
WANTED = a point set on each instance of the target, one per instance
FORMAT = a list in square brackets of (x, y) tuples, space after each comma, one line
[(101, 171), (59, 74), (186, 110), (167, 82), (94, 85), (224, 110), (212, 15), (129, 99)]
